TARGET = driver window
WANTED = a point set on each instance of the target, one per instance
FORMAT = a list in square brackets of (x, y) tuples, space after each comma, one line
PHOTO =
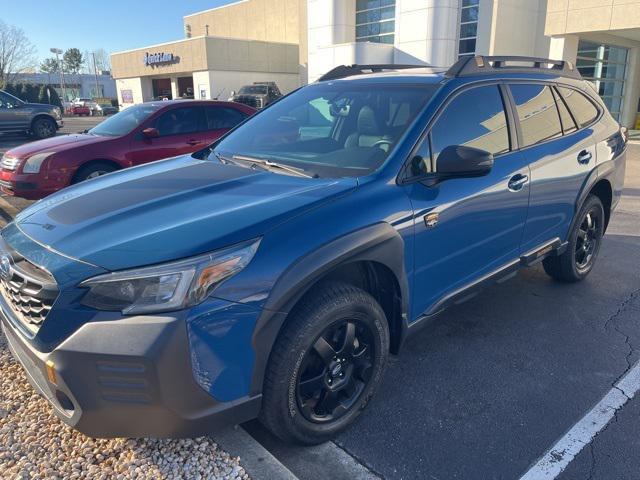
[(474, 118)]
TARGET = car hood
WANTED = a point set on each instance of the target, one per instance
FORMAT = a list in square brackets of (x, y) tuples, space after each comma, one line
[(169, 210), (55, 144)]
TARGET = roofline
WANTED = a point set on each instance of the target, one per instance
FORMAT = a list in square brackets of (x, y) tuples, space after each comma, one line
[(215, 8)]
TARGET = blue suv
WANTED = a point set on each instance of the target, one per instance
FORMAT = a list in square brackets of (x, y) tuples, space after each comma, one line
[(272, 274)]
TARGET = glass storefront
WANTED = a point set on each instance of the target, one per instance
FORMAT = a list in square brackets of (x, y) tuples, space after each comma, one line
[(375, 21), (605, 66), (468, 31)]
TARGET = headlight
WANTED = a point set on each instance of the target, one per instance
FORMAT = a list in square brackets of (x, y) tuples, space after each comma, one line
[(56, 112), (171, 286), (33, 163)]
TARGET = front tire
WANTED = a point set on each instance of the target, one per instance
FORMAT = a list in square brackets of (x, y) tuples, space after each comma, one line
[(584, 244), (93, 170), (325, 365)]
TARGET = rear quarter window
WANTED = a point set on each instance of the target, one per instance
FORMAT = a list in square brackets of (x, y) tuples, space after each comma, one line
[(583, 109)]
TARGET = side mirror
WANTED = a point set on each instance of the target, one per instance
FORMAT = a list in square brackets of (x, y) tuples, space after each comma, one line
[(150, 132), (461, 161)]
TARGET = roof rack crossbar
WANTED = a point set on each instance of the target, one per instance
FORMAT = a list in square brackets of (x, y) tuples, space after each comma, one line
[(342, 71), (481, 64)]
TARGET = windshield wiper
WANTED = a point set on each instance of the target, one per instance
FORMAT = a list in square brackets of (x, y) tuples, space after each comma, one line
[(268, 164)]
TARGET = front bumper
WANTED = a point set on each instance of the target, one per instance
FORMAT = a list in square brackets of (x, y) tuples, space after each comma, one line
[(26, 186), (60, 123), (127, 378)]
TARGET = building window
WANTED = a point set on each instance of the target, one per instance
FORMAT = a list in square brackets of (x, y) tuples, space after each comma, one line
[(468, 28), (375, 21), (605, 66)]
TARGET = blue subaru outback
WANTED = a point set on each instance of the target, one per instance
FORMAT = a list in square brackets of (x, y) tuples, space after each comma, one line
[(272, 274)]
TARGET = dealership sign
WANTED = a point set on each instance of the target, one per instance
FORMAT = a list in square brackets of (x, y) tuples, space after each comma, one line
[(161, 58)]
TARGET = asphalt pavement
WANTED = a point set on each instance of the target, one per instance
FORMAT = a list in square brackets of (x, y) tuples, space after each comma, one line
[(491, 385)]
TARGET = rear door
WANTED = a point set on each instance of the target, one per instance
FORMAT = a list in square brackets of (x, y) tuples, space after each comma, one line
[(467, 228), (561, 154), (181, 130), (220, 120)]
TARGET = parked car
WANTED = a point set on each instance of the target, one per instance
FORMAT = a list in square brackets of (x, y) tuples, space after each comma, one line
[(139, 134), (38, 119), (106, 109), (258, 95), (80, 110), (274, 276)]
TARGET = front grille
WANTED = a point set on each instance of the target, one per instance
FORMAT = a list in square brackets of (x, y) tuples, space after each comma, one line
[(9, 163), (249, 100), (29, 290)]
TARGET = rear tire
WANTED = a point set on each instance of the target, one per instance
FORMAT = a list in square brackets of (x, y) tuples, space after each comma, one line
[(43, 128), (583, 246), (325, 365), (93, 170)]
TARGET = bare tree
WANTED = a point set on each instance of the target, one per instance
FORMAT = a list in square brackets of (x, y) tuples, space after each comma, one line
[(17, 53), (103, 61)]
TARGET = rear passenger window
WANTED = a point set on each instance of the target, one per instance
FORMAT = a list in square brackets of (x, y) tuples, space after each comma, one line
[(568, 125), (475, 118), (584, 111), (537, 112)]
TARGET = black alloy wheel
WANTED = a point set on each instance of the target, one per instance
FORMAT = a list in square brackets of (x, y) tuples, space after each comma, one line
[(588, 239), (335, 371), (584, 242)]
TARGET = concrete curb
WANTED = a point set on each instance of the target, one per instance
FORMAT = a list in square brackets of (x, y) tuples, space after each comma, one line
[(255, 459)]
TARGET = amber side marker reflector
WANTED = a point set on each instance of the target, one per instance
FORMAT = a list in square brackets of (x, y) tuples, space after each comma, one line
[(51, 372)]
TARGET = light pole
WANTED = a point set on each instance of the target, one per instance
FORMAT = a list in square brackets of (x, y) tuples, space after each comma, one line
[(58, 51), (95, 72)]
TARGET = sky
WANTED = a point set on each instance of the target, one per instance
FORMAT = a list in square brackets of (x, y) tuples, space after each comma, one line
[(92, 24)]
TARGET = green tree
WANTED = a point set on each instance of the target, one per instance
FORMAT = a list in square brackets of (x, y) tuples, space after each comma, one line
[(43, 94), (73, 61), (49, 65), (54, 98)]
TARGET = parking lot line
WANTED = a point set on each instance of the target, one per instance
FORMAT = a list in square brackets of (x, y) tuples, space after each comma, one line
[(560, 455)]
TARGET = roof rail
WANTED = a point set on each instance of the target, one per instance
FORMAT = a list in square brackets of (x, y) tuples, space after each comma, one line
[(481, 64), (343, 71)]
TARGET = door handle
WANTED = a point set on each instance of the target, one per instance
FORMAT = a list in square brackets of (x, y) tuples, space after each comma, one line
[(584, 157), (517, 182), (192, 142)]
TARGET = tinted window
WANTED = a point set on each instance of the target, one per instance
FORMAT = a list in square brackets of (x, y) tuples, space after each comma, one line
[(537, 112), (568, 125), (125, 121), (223, 117), (475, 118), (179, 121), (582, 108)]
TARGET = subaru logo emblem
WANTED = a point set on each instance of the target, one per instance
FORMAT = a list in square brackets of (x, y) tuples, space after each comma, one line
[(5, 266)]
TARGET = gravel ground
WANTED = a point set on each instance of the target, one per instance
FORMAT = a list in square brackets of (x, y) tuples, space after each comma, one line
[(34, 444)]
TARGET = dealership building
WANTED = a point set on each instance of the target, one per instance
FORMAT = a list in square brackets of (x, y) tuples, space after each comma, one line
[(293, 42)]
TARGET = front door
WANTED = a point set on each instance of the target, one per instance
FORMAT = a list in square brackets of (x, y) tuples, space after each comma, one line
[(13, 115), (181, 131), (467, 228)]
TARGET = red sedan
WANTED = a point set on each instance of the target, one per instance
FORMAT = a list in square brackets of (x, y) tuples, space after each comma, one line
[(138, 134)]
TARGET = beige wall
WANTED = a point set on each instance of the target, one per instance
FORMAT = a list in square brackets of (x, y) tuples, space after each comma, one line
[(576, 16), (192, 55), (512, 27), (283, 21), (209, 53)]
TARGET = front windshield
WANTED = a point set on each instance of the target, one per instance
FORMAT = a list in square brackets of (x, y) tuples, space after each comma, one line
[(125, 121), (255, 90), (330, 130)]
